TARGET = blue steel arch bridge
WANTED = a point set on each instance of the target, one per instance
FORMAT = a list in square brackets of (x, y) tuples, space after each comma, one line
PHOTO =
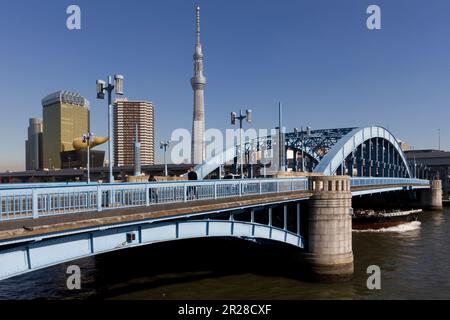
[(47, 224), (362, 152)]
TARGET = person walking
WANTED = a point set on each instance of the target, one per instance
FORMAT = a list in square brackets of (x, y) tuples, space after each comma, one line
[(192, 190), (192, 175), (153, 191)]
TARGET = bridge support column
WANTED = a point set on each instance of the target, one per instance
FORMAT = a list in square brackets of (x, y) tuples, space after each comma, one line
[(329, 251), (432, 198)]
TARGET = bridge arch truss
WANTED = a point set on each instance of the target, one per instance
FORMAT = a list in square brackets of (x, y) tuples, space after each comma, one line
[(366, 152)]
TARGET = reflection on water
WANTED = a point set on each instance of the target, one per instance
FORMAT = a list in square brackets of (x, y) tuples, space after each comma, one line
[(414, 261)]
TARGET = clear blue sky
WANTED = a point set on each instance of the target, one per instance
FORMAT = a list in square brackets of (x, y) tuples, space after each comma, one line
[(317, 57)]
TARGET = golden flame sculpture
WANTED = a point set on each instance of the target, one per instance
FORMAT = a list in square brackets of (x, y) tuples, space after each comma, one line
[(79, 144)]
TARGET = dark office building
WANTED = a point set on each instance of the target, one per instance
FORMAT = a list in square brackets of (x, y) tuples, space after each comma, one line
[(429, 164), (33, 145), (78, 159)]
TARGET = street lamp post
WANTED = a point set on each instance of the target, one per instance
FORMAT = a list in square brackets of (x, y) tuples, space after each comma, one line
[(101, 89), (247, 116), (164, 145), (296, 133), (302, 139), (87, 139), (303, 150), (281, 141)]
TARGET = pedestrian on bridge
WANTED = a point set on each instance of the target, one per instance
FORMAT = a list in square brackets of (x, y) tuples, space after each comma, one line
[(192, 175), (153, 191), (192, 190)]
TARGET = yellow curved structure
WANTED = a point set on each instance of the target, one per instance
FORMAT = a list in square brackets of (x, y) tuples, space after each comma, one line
[(78, 143)]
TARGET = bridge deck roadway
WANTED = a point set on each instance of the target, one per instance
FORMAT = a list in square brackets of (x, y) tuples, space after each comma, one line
[(10, 230)]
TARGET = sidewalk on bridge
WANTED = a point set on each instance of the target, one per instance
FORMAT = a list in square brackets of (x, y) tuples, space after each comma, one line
[(70, 222)]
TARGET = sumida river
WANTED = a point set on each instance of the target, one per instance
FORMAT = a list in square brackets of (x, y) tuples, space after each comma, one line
[(414, 259)]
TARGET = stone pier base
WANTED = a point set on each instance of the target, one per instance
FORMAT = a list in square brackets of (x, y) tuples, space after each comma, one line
[(330, 268), (329, 244), (432, 199)]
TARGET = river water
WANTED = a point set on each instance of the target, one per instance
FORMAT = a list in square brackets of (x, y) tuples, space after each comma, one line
[(414, 259)]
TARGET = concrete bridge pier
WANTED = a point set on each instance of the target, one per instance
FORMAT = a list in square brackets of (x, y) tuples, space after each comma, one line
[(432, 199), (329, 254)]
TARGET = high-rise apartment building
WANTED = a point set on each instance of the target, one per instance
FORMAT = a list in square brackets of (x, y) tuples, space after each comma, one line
[(66, 117), (33, 146), (128, 115)]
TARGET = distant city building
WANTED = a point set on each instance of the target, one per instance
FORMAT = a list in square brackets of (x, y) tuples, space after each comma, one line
[(128, 114), (66, 117), (430, 164), (404, 146), (78, 159), (33, 146)]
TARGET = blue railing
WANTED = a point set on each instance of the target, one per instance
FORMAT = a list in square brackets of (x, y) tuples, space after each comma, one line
[(39, 200), (22, 202), (369, 181)]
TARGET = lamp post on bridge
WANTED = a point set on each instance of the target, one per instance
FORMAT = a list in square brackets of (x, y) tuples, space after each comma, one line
[(247, 116), (101, 89), (301, 149), (302, 139), (164, 145), (87, 139)]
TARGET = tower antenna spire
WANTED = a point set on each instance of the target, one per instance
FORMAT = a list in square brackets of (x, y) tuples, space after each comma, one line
[(198, 82), (197, 9)]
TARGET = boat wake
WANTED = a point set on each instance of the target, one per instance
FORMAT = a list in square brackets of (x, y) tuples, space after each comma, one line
[(405, 227)]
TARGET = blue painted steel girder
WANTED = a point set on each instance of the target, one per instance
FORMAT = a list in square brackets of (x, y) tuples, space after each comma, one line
[(357, 148), (374, 151), (42, 253)]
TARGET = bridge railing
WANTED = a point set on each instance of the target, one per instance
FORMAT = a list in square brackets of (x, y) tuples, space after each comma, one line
[(40, 201), (373, 181)]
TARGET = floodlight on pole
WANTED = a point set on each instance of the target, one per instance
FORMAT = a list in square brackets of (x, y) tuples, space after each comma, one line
[(164, 145), (302, 135), (247, 116), (102, 88), (87, 139), (118, 84)]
